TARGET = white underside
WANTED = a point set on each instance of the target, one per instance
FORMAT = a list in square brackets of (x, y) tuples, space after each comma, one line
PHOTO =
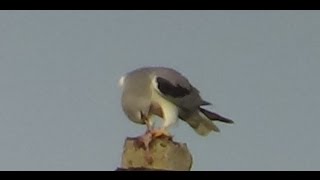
[(170, 111)]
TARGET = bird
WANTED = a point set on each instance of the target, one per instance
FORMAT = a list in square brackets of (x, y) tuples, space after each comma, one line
[(151, 91)]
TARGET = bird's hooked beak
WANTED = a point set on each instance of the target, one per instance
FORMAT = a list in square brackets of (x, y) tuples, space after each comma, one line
[(121, 81)]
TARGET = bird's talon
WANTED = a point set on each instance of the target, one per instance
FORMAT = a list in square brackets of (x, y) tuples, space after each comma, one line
[(160, 133)]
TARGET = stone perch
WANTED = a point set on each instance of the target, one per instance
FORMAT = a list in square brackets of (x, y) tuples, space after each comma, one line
[(164, 155)]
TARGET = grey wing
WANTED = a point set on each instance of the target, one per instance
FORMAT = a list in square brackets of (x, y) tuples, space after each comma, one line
[(176, 88)]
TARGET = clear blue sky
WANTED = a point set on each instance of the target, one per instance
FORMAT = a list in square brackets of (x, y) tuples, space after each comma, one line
[(60, 103)]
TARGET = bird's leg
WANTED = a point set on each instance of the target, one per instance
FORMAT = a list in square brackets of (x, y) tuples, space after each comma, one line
[(161, 132)]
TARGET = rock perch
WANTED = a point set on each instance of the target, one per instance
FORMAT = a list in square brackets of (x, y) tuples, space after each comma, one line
[(164, 155)]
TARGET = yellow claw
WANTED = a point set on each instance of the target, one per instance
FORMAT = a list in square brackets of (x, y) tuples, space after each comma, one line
[(160, 132)]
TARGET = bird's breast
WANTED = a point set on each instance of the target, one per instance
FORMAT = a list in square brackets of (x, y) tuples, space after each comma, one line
[(163, 107)]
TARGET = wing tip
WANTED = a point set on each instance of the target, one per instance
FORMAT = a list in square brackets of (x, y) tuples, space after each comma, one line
[(215, 117), (206, 103)]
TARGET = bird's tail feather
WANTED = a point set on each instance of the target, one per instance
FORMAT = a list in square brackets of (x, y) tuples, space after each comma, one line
[(200, 124), (202, 121)]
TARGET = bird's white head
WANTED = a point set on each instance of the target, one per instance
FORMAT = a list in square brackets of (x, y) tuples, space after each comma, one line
[(121, 81)]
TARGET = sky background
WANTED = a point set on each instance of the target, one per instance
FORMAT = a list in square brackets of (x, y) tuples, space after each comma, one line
[(60, 101)]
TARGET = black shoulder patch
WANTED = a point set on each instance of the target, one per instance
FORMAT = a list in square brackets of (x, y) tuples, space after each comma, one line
[(169, 89)]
